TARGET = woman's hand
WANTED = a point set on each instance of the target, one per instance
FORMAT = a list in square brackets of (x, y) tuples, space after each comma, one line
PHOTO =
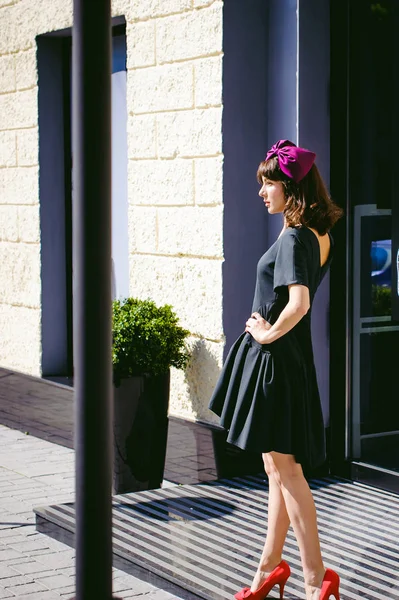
[(257, 326)]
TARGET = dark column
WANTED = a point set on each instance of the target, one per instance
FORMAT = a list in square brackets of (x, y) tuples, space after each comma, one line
[(244, 146), (91, 131), (395, 183), (281, 84), (314, 132), (259, 108)]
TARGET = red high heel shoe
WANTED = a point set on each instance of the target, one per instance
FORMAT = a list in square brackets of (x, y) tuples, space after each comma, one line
[(278, 576), (330, 585)]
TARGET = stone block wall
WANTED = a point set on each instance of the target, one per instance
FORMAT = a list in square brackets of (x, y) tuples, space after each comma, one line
[(174, 97), (20, 287), (175, 178)]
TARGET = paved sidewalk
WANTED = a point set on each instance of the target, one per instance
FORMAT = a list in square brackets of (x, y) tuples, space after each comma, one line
[(36, 472)]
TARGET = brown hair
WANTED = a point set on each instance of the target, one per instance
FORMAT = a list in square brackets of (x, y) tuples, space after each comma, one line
[(307, 202)]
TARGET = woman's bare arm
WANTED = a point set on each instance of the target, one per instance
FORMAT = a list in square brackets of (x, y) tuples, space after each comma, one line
[(296, 308)]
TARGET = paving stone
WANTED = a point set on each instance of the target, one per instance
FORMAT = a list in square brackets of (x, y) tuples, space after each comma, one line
[(11, 477), (14, 507), (20, 530), (32, 497), (16, 579), (160, 595), (24, 517), (127, 594), (15, 539), (42, 595), (6, 571), (69, 571), (17, 561), (53, 582), (120, 585), (31, 567), (125, 581), (56, 560), (30, 546), (8, 554), (40, 553), (67, 592), (56, 545), (27, 588)]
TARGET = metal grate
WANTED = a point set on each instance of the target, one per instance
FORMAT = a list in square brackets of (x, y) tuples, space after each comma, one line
[(207, 537)]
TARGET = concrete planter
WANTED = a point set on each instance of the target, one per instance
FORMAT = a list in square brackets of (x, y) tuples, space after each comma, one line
[(140, 433)]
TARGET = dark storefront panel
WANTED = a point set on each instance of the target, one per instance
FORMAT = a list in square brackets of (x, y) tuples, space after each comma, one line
[(373, 419), (395, 253), (369, 179)]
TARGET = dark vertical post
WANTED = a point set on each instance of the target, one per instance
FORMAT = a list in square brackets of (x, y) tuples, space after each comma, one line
[(245, 39), (313, 126), (91, 138), (395, 183)]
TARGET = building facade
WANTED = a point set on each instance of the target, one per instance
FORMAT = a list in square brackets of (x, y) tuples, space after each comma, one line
[(200, 90), (167, 201)]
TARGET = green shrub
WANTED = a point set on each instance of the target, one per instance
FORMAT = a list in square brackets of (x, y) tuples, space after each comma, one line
[(146, 339), (382, 300)]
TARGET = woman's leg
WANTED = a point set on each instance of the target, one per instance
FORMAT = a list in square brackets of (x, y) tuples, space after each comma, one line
[(278, 523), (302, 514)]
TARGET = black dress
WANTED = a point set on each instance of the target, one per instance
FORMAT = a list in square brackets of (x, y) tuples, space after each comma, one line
[(267, 395)]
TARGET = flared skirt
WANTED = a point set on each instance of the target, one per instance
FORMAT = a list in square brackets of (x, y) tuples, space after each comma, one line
[(267, 399)]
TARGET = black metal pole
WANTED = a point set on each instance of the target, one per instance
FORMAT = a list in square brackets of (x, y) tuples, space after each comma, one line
[(91, 138)]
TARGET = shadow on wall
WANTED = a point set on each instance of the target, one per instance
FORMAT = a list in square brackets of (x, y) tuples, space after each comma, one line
[(207, 455), (201, 376)]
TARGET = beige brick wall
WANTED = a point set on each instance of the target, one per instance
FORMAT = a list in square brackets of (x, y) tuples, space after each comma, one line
[(174, 95), (20, 287), (175, 178)]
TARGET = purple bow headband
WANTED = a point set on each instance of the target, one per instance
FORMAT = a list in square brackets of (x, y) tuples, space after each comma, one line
[(294, 161)]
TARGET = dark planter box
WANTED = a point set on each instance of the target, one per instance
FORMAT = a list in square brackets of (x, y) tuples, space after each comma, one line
[(140, 432)]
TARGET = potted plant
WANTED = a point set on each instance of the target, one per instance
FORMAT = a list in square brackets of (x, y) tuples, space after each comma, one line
[(146, 341)]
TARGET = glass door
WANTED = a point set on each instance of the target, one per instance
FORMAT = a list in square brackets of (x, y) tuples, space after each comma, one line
[(375, 338), (372, 429)]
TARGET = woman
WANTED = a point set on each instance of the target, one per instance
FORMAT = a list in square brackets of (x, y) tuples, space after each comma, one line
[(267, 396)]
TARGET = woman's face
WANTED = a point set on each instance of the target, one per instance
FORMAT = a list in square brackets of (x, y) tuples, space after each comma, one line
[(272, 193)]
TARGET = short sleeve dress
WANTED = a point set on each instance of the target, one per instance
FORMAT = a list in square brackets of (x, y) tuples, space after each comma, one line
[(267, 396)]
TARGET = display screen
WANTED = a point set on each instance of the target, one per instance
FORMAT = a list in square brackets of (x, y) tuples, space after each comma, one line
[(381, 260)]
